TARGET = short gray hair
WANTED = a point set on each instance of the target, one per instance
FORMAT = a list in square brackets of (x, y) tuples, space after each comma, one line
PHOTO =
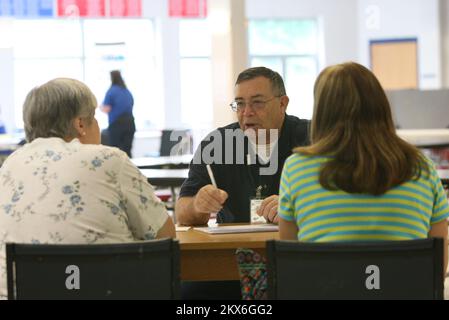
[(49, 110), (277, 84)]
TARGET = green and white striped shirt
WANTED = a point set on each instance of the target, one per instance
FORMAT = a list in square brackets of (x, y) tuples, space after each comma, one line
[(403, 213)]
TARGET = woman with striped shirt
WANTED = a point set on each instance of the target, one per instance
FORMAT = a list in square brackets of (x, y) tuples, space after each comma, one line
[(358, 181)]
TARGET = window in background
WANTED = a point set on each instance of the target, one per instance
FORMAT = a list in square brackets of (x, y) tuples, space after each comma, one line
[(196, 74), (127, 45), (44, 50), (88, 50), (290, 47)]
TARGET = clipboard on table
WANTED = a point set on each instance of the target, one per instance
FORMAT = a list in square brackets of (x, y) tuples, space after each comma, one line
[(249, 228)]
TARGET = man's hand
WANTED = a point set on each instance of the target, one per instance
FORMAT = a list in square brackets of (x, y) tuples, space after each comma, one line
[(209, 199), (269, 209)]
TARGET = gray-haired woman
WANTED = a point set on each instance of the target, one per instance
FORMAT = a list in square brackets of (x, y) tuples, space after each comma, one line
[(64, 187)]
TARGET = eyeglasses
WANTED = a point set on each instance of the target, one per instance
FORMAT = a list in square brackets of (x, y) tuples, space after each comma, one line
[(257, 104)]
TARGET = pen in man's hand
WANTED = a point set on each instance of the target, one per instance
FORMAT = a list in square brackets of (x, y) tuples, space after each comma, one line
[(211, 176), (225, 211)]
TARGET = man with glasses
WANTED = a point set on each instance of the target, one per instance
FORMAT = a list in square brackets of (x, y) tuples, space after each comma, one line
[(263, 128), (260, 103)]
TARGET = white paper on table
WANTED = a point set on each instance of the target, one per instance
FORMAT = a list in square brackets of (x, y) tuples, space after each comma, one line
[(239, 229), (182, 229)]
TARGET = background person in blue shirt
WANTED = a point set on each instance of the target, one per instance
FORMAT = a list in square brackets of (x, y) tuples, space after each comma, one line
[(118, 104)]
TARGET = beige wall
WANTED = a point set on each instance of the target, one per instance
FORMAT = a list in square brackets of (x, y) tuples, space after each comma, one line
[(444, 18)]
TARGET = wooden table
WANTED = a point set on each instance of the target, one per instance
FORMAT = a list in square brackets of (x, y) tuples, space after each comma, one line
[(212, 257)]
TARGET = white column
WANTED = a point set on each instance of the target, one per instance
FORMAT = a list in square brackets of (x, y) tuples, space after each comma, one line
[(444, 16), (239, 32), (171, 72), (229, 54), (168, 40)]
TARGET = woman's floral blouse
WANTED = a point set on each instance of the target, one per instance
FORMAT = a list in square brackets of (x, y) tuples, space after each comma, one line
[(55, 192)]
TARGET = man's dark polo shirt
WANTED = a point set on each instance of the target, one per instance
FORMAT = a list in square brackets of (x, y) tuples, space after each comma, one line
[(241, 180)]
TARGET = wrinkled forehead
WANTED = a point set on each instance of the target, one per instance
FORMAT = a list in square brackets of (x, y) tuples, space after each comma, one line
[(259, 87)]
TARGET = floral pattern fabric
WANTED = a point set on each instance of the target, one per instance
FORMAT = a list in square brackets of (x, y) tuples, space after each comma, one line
[(54, 192), (253, 274)]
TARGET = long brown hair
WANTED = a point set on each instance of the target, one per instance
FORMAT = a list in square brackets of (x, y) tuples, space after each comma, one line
[(352, 123), (117, 79)]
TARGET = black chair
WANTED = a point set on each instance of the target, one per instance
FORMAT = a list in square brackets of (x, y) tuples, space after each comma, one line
[(139, 270), (176, 142), (105, 137), (381, 270)]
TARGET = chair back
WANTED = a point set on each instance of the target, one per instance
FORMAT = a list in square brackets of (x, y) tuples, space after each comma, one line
[(176, 142), (139, 270), (381, 270), (105, 137)]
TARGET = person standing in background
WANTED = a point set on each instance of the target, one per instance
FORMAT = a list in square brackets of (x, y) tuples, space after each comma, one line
[(118, 104)]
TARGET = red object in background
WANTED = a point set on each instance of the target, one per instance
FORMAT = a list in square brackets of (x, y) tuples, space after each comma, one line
[(188, 8), (81, 8), (439, 156), (443, 158), (126, 8), (164, 195), (97, 8)]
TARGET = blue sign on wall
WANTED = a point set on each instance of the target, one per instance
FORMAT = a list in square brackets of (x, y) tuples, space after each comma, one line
[(26, 8)]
